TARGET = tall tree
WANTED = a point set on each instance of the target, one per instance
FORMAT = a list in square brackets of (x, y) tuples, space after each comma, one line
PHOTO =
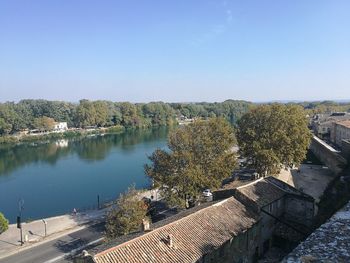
[(5, 127), (101, 116), (127, 215), (86, 114), (200, 156), (273, 137), (44, 123)]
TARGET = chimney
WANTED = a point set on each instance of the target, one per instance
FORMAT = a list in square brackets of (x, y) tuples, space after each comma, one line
[(146, 225), (170, 239)]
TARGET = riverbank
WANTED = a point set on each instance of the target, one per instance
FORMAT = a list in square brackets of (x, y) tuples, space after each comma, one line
[(72, 133), (55, 176)]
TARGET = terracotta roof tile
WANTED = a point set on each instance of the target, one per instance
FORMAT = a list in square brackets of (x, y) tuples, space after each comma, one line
[(194, 236)]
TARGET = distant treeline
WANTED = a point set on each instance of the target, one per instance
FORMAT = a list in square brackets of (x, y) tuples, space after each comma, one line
[(325, 107), (24, 114)]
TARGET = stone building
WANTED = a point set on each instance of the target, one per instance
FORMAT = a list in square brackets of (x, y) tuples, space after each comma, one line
[(224, 231), (285, 213), (322, 123), (340, 131), (239, 228), (329, 243), (345, 149)]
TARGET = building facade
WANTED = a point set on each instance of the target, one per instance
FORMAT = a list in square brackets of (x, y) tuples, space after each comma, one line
[(286, 214), (60, 126), (322, 123), (340, 131)]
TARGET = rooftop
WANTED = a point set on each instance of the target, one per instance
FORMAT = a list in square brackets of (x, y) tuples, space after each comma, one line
[(193, 236), (329, 243), (345, 123), (261, 192)]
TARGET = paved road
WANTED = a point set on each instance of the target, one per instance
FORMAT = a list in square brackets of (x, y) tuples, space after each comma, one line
[(56, 251)]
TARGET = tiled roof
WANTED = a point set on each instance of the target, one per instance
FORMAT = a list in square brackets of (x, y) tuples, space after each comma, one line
[(344, 123), (329, 243), (261, 192), (286, 187), (194, 236)]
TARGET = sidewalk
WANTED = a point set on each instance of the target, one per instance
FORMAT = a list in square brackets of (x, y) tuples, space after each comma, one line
[(35, 230), (55, 227)]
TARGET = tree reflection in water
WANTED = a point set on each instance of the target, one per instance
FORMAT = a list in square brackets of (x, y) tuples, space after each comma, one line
[(93, 148)]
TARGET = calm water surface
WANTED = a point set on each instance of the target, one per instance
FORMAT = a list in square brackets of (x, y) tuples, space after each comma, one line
[(53, 178)]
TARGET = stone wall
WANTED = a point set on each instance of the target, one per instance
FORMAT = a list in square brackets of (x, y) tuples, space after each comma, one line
[(299, 209), (328, 155), (243, 247), (345, 149)]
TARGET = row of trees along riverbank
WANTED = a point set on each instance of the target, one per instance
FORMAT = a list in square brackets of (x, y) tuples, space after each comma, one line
[(32, 114)]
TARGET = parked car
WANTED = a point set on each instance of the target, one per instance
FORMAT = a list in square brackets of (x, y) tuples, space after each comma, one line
[(207, 193)]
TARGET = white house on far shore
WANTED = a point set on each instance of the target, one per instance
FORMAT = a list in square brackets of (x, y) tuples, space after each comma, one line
[(60, 126)]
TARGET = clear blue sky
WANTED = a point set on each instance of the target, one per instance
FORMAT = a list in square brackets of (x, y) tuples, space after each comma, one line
[(180, 50)]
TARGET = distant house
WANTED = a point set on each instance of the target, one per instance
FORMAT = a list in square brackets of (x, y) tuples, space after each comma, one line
[(60, 126)]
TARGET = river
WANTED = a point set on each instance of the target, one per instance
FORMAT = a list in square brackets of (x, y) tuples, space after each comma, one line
[(55, 177)]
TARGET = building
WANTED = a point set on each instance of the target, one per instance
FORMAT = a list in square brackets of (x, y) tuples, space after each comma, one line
[(340, 131), (239, 228), (286, 214), (329, 243), (322, 123), (223, 231), (60, 126), (345, 149)]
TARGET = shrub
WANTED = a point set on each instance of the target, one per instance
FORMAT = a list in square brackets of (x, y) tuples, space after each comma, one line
[(4, 223)]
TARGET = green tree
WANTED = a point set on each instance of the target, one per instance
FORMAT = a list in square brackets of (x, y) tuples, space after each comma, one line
[(200, 156), (5, 128), (128, 214), (44, 123), (273, 137), (4, 223), (131, 118), (85, 114)]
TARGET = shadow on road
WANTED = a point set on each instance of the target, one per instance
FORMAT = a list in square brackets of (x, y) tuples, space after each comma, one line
[(78, 239)]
